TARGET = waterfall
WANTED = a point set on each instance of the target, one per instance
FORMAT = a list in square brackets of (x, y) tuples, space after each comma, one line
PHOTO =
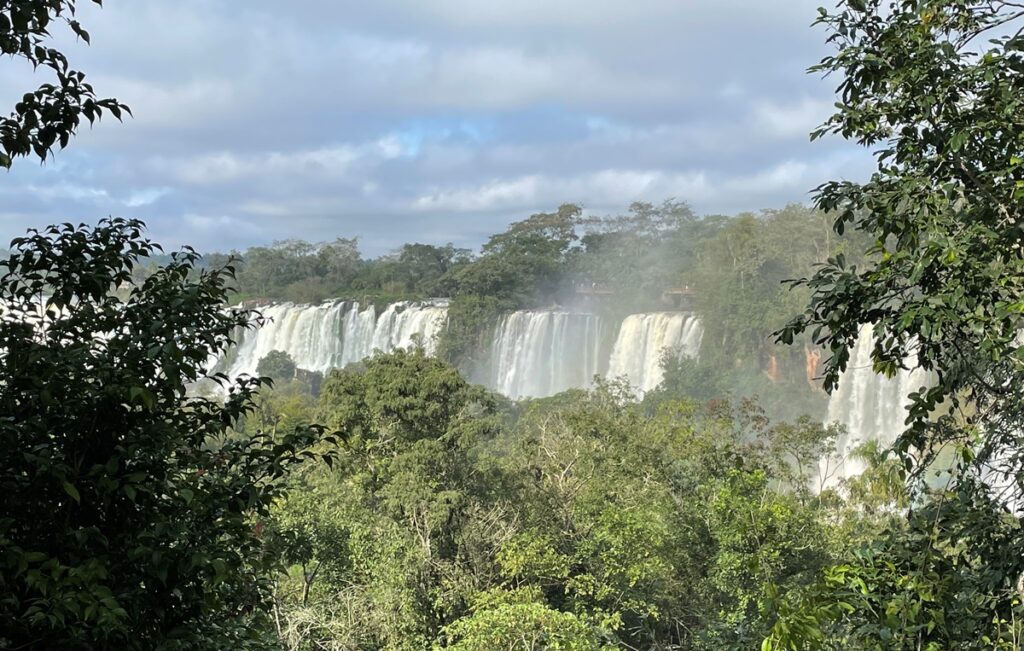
[(541, 353), (870, 405), (535, 353), (402, 324), (644, 338), (333, 335)]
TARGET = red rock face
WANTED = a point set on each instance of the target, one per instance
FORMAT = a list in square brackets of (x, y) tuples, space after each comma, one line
[(773, 372), (812, 357)]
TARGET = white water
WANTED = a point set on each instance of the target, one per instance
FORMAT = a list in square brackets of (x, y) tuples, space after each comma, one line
[(535, 353), (333, 335), (538, 353), (643, 340), (870, 405), (541, 353)]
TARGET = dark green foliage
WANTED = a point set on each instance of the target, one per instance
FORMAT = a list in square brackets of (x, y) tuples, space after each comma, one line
[(664, 528), (686, 377), (49, 116), (526, 262), (936, 87), (298, 270), (583, 522), (519, 619), (403, 397), (385, 534), (276, 365), (946, 580), (739, 275), (523, 267), (295, 270), (415, 271), (130, 517)]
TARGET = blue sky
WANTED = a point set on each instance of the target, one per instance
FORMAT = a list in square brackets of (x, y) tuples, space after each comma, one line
[(434, 121)]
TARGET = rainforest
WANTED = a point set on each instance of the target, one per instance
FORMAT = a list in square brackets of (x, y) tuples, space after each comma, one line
[(641, 428)]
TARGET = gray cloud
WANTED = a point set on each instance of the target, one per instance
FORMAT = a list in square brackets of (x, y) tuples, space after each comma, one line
[(431, 121)]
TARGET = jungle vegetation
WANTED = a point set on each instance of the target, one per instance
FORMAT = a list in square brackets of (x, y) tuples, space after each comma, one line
[(398, 506)]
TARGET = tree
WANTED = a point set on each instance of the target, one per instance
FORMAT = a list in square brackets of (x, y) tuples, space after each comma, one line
[(524, 264), (276, 365), (49, 116), (385, 535), (662, 529), (945, 579), (520, 621), (132, 515), (642, 253), (936, 86), (299, 270), (739, 274), (522, 267)]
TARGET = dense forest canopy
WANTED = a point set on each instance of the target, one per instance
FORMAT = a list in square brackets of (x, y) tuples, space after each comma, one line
[(583, 521), (541, 260)]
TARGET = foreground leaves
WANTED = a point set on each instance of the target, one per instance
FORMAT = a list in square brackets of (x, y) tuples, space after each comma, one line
[(131, 518)]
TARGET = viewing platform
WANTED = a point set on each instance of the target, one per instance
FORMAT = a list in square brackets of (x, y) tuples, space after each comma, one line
[(593, 290), (679, 298)]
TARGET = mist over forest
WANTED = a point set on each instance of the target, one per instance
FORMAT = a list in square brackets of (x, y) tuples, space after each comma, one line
[(648, 427)]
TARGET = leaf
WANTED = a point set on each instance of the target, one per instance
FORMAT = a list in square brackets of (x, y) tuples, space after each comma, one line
[(956, 143), (143, 395), (72, 491)]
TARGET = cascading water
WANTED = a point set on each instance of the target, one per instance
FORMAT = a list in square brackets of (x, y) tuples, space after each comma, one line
[(333, 335), (402, 324), (536, 353), (644, 338), (540, 353), (871, 406)]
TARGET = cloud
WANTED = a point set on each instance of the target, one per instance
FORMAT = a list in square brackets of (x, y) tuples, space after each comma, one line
[(615, 188), (146, 196), (68, 191), (436, 121), (503, 194), (335, 163), (791, 120)]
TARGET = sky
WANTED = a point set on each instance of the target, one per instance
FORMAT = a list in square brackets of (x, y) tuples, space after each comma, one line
[(430, 121)]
